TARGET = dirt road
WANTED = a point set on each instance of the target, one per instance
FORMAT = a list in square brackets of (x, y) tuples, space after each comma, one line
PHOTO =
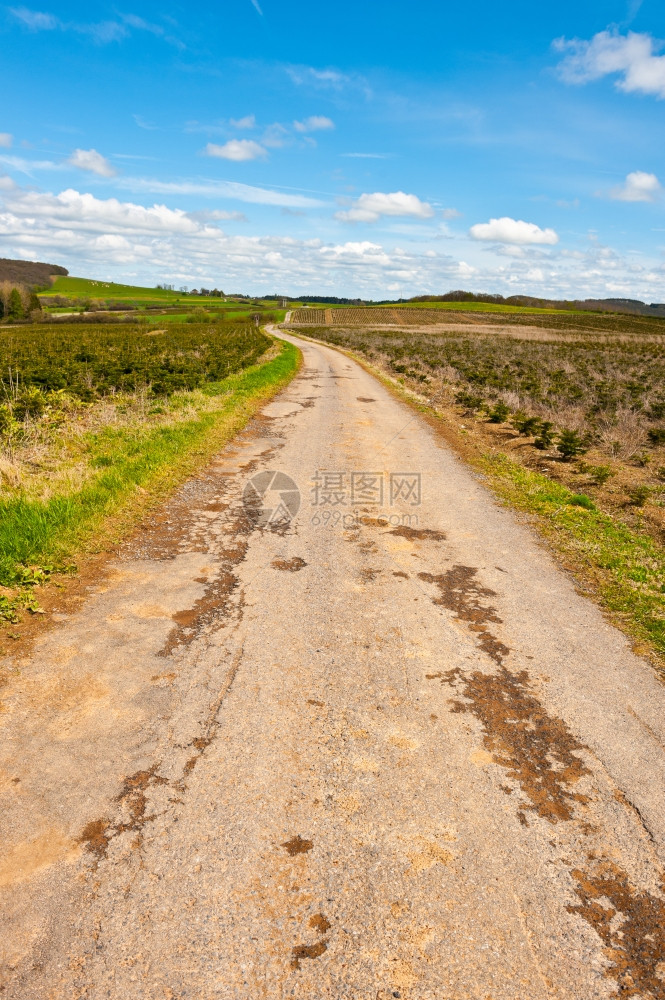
[(355, 736)]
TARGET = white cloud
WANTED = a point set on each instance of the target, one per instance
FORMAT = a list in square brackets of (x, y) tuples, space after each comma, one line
[(632, 57), (116, 240), (90, 159), (275, 136), (255, 5), (451, 213), (142, 123), (249, 121), (361, 249), (101, 32), (238, 150), (83, 212), (327, 79), (302, 75), (28, 167), (370, 207), (35, 20), (219, 189), (315, 123), (6, 139), (506, 230), (638, 186), (465, 270), (367, 156)]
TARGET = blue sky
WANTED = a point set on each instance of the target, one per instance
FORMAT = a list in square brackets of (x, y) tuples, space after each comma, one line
[(374, 149)]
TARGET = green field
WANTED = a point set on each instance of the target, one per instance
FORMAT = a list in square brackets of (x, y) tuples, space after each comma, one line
[(86, 288), (99, 420), (80, 291)]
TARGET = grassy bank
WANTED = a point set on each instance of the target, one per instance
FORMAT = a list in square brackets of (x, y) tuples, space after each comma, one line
[(123, 470)]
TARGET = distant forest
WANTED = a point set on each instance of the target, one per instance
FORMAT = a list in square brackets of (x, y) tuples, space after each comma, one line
[(32, 273)]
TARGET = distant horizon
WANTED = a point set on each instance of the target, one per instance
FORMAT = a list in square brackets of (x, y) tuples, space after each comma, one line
[(511, 148)]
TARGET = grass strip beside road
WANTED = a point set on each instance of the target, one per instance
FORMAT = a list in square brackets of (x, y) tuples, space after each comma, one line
[(135, 467), (624, 569)]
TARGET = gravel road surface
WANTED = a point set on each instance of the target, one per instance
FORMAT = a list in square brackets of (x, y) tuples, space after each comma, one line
[(333, 725)]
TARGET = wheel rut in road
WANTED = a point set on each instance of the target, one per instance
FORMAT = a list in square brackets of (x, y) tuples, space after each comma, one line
[(333, 725)]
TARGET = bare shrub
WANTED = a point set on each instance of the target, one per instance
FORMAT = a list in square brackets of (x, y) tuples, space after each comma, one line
[(624, 435)]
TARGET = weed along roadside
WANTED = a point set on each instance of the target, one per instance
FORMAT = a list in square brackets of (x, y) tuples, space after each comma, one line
[(79, 475), (613, 547)]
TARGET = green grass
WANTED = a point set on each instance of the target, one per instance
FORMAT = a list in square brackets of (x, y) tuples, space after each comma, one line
[(131, 463), (86, 288), (627, 569)]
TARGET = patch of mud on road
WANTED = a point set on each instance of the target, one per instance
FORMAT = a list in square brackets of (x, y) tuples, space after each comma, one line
[(631, 925), (537, 750), (97, 835), (297, 845), (461, 593), (418, 534), (289, 565), (307, 951)]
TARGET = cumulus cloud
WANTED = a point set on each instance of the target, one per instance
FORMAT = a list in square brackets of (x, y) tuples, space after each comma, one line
[(6, 139), (315, 123), (507, 230), (249, 121), (451, 213), (632, 57), (156, 242), (83, 212), (238, 150), (370, 207), (638, 186), (90, 159)]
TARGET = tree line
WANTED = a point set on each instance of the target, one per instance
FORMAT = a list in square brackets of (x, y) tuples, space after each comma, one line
[(18, 302)]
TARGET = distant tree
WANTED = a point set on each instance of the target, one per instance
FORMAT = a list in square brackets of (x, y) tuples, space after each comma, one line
[(15, 308)]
